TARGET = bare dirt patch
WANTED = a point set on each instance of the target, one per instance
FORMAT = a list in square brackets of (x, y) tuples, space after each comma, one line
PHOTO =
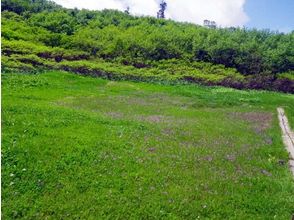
[(154, 99), (169, 121), (115, 115), (154, 118), (260, 121)]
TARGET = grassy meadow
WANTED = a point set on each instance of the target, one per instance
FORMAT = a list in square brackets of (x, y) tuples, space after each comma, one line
[(76, 147)]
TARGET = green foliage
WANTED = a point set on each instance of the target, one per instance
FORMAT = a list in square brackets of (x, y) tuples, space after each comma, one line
[(56, 34), (287, 75), (22, 47), (30, 6), (56, 22), (11, 64), (165, 71)]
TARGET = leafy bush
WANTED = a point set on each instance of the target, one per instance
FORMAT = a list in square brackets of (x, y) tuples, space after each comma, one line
[(9, 64), (43, 35), (287, 75)]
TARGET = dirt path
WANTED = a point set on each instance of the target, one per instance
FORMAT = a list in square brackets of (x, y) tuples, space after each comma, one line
[(288, 136)]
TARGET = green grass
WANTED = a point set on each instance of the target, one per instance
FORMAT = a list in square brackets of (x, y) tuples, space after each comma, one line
[(80, 147)]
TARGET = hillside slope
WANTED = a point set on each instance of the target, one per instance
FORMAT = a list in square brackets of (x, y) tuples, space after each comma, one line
[(42, 35)]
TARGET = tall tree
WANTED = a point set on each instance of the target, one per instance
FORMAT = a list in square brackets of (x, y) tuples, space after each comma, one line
[(127, 11), (163, 6)]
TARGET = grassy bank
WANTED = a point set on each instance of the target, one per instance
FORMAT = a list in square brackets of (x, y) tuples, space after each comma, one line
[(75, 146)]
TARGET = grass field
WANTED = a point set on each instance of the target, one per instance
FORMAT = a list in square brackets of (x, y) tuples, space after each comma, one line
[(80, 147)]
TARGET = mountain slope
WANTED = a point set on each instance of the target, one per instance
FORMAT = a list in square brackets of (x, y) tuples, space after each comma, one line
[(40, 34)]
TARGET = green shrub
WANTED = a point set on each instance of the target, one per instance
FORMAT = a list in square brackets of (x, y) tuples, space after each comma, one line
[(111, 44), (287, 75)]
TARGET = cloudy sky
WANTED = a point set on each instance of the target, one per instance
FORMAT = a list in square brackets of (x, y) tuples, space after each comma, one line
[(273, 14)]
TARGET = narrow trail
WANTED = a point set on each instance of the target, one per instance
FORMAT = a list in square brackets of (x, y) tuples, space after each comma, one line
[(288, 136)]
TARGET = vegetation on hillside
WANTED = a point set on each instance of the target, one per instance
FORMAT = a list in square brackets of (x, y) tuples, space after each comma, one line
[(40, 34)]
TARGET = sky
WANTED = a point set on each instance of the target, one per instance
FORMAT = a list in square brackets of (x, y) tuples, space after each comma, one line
[(271, 14), (261, 14)]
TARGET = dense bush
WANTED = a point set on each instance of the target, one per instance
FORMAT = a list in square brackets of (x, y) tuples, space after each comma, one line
[(28, 6), (181, 50)]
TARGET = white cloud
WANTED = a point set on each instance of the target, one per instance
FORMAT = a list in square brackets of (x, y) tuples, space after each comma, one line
[(224, 12)]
